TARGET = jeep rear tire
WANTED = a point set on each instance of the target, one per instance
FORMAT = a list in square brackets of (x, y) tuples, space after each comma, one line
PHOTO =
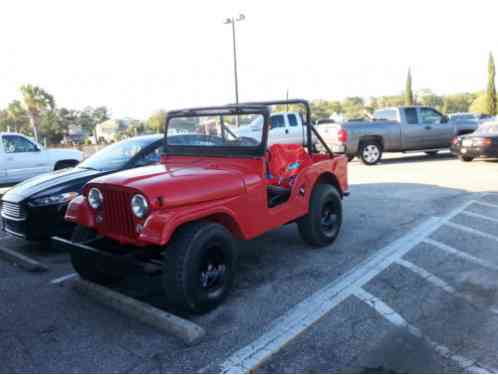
[(87, 265), (199, 267), (466, 158), (321, 226), (370, 152)]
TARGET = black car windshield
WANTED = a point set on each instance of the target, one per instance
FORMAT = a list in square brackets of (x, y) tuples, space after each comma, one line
[(116, 155), (217, 131), (487, 129)]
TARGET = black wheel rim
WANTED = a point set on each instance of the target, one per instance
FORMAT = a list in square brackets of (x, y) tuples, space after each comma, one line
[(329, 219), (212, 271)]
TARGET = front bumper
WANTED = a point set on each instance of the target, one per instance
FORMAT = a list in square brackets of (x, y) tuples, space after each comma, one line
[(475, 151), (39, 223), (126, 263)]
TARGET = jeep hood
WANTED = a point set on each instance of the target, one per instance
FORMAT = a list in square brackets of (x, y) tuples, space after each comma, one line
[(179, 185)]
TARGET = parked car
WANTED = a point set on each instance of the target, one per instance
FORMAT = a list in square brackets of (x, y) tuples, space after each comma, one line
[(182, 217), (286, 128), (397, 129), (462, 117), (22, 158), (483, 143), (35, 209)]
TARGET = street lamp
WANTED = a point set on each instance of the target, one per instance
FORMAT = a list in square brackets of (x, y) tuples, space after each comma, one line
[(232, 21)]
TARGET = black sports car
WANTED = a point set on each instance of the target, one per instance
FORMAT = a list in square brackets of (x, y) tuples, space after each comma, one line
[(482, 143), (35, 208)]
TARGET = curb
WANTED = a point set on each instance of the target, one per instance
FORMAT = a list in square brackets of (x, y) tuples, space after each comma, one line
[(22, 261), (189, 332)]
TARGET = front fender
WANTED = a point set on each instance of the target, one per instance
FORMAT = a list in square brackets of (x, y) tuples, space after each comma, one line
[(79, 212), (160, 226)]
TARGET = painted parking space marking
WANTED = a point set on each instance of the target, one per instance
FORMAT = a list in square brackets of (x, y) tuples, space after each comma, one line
[(61, 279), (438, 282), (479, 216), (461, 254), (486, 204), (23, 261), (303, 315), (468, 365), (472, 231)]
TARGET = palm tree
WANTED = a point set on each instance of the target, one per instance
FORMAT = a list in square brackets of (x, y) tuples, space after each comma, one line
[(16, 115), (36, 101)]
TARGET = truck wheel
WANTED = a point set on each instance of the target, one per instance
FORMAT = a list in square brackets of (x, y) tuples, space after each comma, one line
[(199, 267), (370, 152), (86, 265), (321, 226), (466, 158)]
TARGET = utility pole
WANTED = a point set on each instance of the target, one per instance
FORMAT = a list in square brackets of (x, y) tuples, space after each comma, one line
[(232, 21)]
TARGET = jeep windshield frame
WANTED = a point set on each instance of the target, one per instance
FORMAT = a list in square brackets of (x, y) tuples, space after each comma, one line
[(257, 150), (252, 108)]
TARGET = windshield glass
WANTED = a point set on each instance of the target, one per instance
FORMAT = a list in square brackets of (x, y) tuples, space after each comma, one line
[(217, 131), (116, 155), (487, 129)]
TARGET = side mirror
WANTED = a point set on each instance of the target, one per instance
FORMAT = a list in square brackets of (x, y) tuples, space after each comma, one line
[(444, 119)]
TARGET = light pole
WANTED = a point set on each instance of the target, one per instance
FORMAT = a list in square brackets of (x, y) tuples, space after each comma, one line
[(232, 21)]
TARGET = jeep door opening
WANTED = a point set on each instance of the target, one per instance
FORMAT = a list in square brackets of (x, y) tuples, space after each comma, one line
[(182, 217)]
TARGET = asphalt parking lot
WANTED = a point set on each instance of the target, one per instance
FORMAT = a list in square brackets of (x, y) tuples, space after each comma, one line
[(411, 285)]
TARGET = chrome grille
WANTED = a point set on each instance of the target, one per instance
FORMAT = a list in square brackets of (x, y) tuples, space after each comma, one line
[(13, 210)]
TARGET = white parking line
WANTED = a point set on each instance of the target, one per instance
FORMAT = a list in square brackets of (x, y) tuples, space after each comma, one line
[(486, 204), (470, 230), (313, 308), (461, 254), (479, 216), (426, 275), (63, 278), (396, 319), (440, 283)]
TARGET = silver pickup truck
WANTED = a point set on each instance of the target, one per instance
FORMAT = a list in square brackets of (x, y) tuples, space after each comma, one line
[(397, 129)]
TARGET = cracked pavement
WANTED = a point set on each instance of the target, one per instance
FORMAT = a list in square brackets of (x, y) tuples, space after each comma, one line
[(50, 328)]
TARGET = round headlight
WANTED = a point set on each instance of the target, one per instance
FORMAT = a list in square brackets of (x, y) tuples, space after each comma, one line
[(95, 198), (139, 206)]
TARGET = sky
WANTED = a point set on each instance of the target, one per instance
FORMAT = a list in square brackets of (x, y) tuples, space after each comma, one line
[(136, 57)]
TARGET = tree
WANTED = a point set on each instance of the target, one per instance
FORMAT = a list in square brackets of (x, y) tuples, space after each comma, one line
[(16, 117), (36, 101), (90, 117), (408, 89), (480, 104), (458, 102), (428, 98), (157, 121), (491, 90)]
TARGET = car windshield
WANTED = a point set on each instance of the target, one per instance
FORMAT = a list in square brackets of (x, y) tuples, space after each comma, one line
[(116, 155), (487, 129), (217, 131)]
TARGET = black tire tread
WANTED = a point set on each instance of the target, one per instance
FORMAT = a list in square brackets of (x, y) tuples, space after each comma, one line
[(306, 226), (175, 262)]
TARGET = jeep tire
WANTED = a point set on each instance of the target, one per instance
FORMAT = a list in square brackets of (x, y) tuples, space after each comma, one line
[(370, 152), (199, 267), (321, 226), (466, 158), (87, 265)]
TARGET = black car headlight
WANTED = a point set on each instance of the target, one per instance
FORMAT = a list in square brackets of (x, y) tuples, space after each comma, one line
[(95, 198), (139, 206), (53, 199)]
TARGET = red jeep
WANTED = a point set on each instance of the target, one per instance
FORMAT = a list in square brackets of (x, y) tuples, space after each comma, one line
[(182, 216)]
